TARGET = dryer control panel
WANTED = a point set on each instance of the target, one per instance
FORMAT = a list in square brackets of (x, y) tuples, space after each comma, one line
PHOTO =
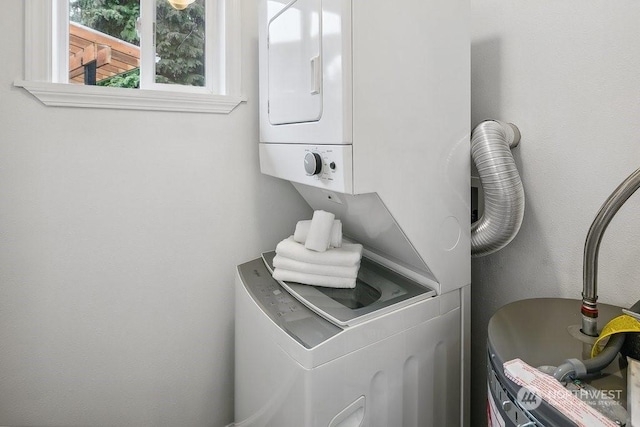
[(325, 166)]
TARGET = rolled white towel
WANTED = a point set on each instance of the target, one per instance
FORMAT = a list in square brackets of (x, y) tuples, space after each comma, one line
[(325, 270), (348, 255), (302, 230), (313, 279), (319, 236)]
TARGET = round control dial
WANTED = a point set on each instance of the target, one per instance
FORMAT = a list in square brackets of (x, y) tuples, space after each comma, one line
[(312, 164)]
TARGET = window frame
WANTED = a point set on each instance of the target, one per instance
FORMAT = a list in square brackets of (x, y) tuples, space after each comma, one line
[(42, 79)]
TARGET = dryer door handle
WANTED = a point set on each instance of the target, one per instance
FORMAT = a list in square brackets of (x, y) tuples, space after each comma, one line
[(351, 416), (316, 75)]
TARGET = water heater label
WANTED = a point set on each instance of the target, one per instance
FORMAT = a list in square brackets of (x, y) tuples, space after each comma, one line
[(544, 386)]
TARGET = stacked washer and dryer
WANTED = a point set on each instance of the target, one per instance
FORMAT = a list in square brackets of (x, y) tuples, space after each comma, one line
[(364, 107)]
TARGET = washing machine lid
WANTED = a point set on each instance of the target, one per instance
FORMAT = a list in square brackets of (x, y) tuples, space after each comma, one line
[(378, 291), (366, 220)]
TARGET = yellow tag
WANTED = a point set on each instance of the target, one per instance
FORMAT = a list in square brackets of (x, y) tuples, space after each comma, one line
[(617, 325)]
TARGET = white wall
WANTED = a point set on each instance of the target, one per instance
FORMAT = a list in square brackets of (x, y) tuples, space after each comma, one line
[(119, 231), (119, 236), (567, 74)]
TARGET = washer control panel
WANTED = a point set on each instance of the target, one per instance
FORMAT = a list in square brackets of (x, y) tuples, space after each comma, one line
[(287, 312)]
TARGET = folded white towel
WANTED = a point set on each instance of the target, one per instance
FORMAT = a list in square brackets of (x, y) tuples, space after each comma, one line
[(302, 231), (348, 255), (313, 279), (325, 270), (319, 236)]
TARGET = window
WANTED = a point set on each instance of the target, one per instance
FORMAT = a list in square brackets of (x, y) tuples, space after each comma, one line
[(172, 55)]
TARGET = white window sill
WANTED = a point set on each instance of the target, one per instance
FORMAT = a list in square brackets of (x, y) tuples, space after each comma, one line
[(70, 95)]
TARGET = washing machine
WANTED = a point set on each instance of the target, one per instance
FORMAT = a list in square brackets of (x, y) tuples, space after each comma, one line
[(386, 353)]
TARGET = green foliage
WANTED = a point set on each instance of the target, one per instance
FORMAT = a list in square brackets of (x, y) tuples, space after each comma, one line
[(180, 36), (130, 79), (114, 17), (180, 42)]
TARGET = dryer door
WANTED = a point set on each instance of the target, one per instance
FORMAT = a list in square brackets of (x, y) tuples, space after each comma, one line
[(295, 63)]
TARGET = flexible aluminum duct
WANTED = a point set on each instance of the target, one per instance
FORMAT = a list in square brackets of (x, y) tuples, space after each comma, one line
[(491, 143)]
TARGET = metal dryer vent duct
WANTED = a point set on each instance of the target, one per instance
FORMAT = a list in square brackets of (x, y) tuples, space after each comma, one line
[(491, 143)]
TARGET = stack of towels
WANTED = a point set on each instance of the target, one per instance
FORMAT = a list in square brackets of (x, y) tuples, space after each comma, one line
[(315, 254)]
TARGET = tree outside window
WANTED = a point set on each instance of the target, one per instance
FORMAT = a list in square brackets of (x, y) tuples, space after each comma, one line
[(179, 43)]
